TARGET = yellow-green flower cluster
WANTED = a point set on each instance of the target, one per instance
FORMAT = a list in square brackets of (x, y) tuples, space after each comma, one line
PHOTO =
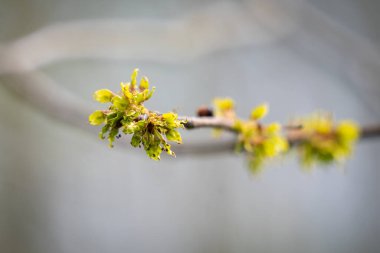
[(324, 141), (318, 138), (127, 113), (259, 141)]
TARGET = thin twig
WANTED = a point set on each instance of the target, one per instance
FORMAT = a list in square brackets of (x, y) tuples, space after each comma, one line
[(368, 132), (218, 122), (208, 122), (295, 133)]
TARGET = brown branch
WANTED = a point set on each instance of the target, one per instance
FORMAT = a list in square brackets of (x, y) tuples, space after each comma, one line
[(294, 132), (368, 132), (221, 146), (208, 122), (218, 122)]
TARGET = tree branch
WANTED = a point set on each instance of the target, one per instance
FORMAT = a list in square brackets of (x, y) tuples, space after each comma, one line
[(368, 132), (208, 122), (295, 132)]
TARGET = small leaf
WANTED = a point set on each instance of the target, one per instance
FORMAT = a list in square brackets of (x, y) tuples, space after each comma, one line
[(103, 96), (144, 83), (144, 96), (112, 136), (173, 135), (104, 130), (119, 103), (134, 78), (259, 112), (97, 118), (153, 151), (224, 104), (125, 90), (139, 98), (149, 93), (136, 139), (168, 150)]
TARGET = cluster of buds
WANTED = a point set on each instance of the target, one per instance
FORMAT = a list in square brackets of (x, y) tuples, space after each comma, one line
[(318, 138), (128, 114), (323, 141), (259, 141)]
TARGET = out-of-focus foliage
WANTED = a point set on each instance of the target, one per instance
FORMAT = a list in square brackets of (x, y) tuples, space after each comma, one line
[(259, 141), (325, 141), (128, 114), (318, 138)]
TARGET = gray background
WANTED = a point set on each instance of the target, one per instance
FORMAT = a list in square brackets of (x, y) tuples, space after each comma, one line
[(64, 190)]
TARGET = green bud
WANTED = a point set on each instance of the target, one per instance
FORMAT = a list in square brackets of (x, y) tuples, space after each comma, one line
[(224, 104), (103, 96), (259, 112), (144, 83), (119, 103), (126, 91), (134, 78), (149, 93), (173, 135), (97, 118)]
